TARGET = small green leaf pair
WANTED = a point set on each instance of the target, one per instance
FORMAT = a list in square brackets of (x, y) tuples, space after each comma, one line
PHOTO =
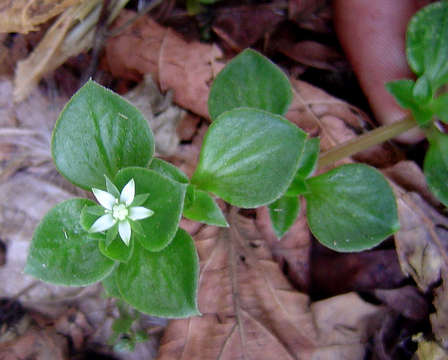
[(427, 54)]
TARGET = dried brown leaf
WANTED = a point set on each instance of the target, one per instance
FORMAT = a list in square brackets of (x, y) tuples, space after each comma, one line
[(163, 117), (23, 16), (242, 26), (422, 247), (40, 343), (407, 301), (250, 310)]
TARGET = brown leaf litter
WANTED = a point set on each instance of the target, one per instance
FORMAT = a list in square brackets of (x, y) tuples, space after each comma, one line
[(250, 310)]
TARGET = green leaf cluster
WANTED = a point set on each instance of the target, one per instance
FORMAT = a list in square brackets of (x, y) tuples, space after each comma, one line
[(427, 54), (253, 156)]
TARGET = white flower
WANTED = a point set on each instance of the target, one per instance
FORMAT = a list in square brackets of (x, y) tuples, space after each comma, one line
[(119, 210)]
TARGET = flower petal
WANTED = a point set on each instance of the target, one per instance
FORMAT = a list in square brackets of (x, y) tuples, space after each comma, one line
[(124, 229), (103, 223), (139, 212), (104, 198), (128, 192)]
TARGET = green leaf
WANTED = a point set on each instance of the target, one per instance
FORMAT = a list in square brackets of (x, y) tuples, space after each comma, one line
[(163, 283), (204, 209), (427, 43), (249, 157), (422, 90), (62, 252), (440, 107), (351, 208), (89, 214), (123, 323), (110, 286), (111, 188), (98, 133), (117, 249), (283, 212), (250, 80), (189, 196), (436, 165), (166, 199), (403, 92), (309, 157), (170, 171), (307, 165)]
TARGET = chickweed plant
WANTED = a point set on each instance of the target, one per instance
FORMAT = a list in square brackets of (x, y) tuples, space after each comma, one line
[(251, 156)]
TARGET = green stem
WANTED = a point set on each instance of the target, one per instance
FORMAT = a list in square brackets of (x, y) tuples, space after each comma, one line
[(365, 141)]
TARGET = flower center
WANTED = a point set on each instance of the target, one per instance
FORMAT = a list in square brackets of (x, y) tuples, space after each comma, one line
[(120, 212)]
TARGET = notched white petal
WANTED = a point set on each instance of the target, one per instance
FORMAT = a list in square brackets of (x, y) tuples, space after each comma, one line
[(103, 223), (104, 198), (139, 213), (124, 229), (128, 192)]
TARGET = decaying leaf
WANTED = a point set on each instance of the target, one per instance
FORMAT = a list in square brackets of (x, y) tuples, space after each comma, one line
[(34, 341), (23, 16), (162, 115), (422, 247), (241, 26), (250, 311), (72, 33)]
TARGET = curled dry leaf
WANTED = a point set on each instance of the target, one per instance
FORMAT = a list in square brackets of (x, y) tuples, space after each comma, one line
[(147, 47), (250, 310), (407, 301), (422, 247), (23, 16)]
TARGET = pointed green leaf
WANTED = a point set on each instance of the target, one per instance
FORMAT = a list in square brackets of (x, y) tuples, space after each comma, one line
[(162, 283), (440, 107), (204, 209), (283, 212), (249, 157), (309, 157), (307, 165), (436, 165), (250, 80), (166, 199), (351, 208), (117, 249), (111, 188), (427, 43), (403, 92), (98, 133), (89, 214), (110, 285), (170, 171), (62, 252), (422, 91)]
